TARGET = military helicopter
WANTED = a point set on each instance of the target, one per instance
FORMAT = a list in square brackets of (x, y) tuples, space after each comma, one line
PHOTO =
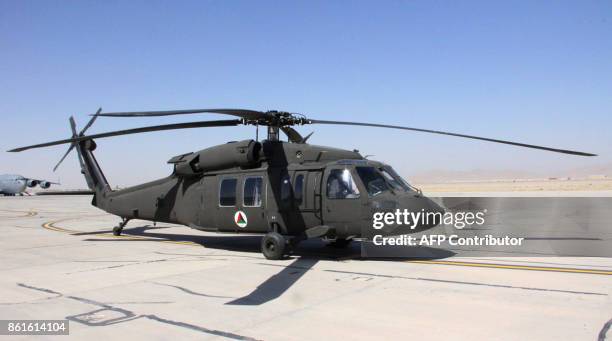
[(288, 191)]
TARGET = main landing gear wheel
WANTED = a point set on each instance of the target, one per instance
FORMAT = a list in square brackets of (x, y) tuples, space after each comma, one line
[(273, 246)]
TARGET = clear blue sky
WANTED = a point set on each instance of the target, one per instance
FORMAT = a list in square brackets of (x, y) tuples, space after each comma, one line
[(532, 71)]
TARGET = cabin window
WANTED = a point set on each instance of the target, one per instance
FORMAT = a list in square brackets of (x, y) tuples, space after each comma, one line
[(298, 192), (285, 189), (227, 192), (340, 185), (251, 194)]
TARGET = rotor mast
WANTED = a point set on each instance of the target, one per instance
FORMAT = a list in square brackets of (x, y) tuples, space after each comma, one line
[(273, 133)]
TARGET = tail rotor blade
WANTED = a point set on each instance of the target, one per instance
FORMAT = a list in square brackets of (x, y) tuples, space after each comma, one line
[(93, 119), (63, 157), (72, 126), (74, 134)]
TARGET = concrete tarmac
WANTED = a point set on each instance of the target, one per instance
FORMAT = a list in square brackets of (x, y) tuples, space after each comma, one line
[(59, 260)]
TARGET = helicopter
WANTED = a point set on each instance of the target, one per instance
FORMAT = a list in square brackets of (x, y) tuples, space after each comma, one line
[(287, 191)]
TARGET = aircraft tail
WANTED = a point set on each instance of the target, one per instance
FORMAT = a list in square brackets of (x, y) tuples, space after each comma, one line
[(96, 181)]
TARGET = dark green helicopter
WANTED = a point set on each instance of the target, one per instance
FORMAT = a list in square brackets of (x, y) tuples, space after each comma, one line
[(288, 191)]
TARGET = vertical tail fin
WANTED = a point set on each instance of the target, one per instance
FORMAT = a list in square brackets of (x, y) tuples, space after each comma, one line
[(96, 181), (91, 169)]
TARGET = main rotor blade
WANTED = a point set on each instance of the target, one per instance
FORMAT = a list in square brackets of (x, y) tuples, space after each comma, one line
[(187, 125), (564, 151), (244, 113)]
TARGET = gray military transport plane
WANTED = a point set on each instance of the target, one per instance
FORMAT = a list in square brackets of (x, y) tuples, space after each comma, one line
[(287, 191), (12, 184)]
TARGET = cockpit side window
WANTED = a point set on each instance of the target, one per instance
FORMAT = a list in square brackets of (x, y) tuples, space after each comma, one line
[(340, 185), (373, 181)]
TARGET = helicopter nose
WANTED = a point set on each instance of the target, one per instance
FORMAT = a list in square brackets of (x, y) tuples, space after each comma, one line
[(435, 210), (433, 206), (431, 212)]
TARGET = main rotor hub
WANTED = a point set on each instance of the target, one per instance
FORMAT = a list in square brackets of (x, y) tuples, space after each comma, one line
[(277, 119)]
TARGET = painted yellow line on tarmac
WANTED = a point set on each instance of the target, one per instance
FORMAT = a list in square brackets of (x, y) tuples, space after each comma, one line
[(25, 214), (51, 225), (514, 267)]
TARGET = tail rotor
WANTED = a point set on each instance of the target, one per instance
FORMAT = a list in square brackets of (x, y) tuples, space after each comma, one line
[(74, 134)]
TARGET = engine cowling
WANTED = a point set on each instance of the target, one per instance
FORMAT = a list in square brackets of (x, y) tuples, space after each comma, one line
[(32, 183), (233, 154), (44, 184)]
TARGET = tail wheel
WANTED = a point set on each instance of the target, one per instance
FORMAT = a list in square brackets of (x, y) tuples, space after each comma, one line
[(273, 246), (117, 230)]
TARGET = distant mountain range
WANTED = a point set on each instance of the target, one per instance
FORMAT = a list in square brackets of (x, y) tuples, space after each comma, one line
[(600, 171)]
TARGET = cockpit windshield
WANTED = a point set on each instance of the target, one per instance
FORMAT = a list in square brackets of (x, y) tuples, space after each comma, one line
[(394, 179), (373, 181)]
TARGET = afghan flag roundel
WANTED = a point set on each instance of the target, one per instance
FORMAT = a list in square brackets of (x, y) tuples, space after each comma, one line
[(240, 219)]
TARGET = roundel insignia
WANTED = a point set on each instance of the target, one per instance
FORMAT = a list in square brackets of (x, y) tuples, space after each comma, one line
[(240, 219)]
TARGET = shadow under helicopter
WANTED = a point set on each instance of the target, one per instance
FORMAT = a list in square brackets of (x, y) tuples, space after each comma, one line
[(305, 256)]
